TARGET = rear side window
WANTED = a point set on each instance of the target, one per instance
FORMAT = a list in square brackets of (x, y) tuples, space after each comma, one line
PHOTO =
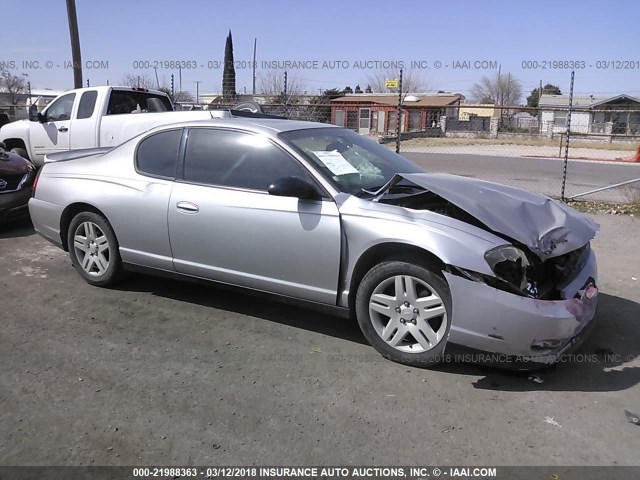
[(133, 101), (157, 154), (234, 159), (87, 104)]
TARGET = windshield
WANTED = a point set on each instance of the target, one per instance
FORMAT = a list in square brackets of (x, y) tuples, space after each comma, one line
[(352, 163)]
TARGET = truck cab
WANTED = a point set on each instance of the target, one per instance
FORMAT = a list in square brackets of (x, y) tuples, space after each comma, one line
[(88, 118)]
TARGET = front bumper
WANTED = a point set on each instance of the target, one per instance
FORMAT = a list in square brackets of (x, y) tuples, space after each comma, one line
[(13, 205), (521, 328)]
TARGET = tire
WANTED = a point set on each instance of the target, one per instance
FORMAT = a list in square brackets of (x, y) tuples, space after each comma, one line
[(20, 151), (94, 249), (413, 333)]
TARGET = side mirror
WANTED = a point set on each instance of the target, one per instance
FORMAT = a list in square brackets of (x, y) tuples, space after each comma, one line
[(293, 187), (33, 113)]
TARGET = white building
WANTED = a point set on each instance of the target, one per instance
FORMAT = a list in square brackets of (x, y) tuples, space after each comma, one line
[(592, 114)]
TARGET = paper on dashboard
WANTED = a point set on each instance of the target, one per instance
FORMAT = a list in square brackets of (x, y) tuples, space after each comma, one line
[(335, 162)]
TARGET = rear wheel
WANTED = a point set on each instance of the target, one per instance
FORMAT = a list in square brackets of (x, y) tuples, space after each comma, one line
[(404, 311), (93, 249)]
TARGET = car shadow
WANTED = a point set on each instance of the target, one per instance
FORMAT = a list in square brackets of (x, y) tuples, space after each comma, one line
[(597, 366), (246, 302), (21, 227)]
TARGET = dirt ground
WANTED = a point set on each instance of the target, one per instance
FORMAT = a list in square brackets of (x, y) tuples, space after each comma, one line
[(161, 372)]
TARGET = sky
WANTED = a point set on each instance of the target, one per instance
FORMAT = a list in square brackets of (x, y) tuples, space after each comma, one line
[(454, 43)]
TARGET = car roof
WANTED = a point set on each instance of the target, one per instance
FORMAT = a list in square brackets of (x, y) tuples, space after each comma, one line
[(102, 88), (260, 125)]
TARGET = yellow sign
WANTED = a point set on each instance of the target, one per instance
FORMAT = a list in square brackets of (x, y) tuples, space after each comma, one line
[(391, 83)]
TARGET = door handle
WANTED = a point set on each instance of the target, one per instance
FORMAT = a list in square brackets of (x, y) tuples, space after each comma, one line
[(63, 129), (187, 207)]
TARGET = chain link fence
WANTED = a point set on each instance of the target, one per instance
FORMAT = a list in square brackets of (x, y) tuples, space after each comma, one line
[(513, 145)]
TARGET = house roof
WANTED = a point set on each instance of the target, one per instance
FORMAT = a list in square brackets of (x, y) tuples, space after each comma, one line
[(391, 99), (584, 101)]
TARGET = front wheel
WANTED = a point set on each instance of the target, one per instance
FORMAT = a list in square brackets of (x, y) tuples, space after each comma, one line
[(93, 249), (20, 151), (404, 311)]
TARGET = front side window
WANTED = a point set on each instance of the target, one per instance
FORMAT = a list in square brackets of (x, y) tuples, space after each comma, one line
[(351, 162), (157, 154), (61, 108), (235, 159)]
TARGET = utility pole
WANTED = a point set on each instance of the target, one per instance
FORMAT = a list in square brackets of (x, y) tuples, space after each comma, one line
[(499, 100), (255, 44), (198, 92), (75, 43), (539, 114)]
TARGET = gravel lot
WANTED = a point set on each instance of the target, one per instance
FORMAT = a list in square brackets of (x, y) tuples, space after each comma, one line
[(162, 372)]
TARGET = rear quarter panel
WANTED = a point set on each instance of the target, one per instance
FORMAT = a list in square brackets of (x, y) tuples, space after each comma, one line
[(134, 205)]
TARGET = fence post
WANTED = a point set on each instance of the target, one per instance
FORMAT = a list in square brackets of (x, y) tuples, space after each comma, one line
[(493, 127), (548, 128), (443, 124), (608, 130), (399, 119), (560, 150), (566, 145)]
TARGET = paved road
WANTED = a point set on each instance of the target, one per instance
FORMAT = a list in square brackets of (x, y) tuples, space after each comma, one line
[(157, 372), (539, 175)]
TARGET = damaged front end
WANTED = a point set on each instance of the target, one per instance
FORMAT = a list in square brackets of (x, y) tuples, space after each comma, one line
[(543, 292), (524, 274)]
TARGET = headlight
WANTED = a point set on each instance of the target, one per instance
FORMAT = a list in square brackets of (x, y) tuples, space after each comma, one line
[(509, 263)]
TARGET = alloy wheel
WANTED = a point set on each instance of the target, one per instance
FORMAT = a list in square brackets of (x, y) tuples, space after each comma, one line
[(408, 314), (91, 248)]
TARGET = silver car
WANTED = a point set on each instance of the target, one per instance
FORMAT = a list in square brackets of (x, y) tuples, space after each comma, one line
[(326, 216)]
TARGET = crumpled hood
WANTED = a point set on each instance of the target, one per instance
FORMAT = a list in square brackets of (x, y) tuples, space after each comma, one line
[(549, 228)]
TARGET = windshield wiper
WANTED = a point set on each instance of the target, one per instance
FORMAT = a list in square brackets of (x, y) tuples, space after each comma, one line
[(380, 192), (373, 191)]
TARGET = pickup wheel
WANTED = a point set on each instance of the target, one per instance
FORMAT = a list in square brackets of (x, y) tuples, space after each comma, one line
[(94, 250), (20, 151), (404, 311)]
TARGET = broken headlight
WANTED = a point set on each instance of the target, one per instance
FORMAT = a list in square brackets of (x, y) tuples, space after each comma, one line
[(509, 264)]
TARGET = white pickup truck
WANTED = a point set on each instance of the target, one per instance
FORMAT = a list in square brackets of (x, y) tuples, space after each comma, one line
[(92, 117)]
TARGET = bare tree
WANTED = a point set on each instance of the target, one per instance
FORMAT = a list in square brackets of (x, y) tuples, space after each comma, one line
[(141, 80), (501, 90), (271, 82), (183, 96), (412, 82), (14, 86), (145, 81)]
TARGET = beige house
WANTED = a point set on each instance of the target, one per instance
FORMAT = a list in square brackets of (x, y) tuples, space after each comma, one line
[(487, 110)]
